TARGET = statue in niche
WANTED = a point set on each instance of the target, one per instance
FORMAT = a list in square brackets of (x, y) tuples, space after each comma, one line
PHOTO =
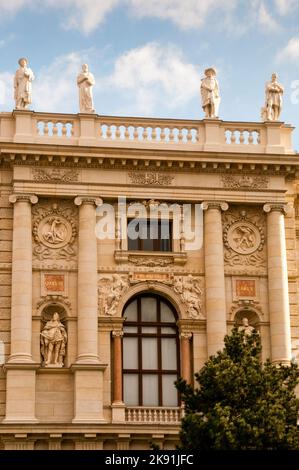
[(53, 342), (210, 96), (85, 82), (245, 327), (273, 99), (23, 85)]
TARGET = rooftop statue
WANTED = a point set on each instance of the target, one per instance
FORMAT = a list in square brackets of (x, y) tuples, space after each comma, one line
[(273, 99), (23, 85), (210, 96), (85, 82)]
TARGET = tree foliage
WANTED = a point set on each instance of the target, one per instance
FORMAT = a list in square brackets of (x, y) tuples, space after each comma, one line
[(240, 403)]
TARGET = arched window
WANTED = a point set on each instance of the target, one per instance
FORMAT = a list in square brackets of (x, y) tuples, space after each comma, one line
[(150, 352)]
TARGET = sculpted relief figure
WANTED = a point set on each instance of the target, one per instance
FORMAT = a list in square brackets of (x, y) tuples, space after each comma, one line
[(53, 342), (190, 292), (210, 96), (85, 82), (273, 99), (245, 237), (23, 85), (57, 231), (110, 291)]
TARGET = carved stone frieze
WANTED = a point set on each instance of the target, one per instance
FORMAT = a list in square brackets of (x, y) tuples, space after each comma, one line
[(55, 175), (54, 231), (110, 290), (247, 182), (150, 261), (188, 287), (150, 178), (244, 238), (190, 290)]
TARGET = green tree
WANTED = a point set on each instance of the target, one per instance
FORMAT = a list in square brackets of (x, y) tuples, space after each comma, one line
[(239, 402)]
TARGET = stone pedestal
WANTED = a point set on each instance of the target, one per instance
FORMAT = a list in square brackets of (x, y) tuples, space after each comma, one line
[(214, 275), (278, 285), (20, 393), (88, 393)]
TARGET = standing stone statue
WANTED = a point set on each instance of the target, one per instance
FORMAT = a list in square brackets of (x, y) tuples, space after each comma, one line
[(273, 99), (53, 342), (210, 97), (248, 329), (23, 85), (85, 82)]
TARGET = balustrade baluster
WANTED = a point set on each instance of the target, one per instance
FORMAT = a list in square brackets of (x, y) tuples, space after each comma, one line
[(46, 129), (55, 128), (136, 133), (127, 133), (250, 138), (189, 135), (109, 132), (117, 132), (144, 134), (64, 129), (242, 138), (154, 133)]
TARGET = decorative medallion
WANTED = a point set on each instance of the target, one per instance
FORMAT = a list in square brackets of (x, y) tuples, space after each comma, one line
[(55, 175), (250, 183), (243, 237), (54, 231), (244, 240)]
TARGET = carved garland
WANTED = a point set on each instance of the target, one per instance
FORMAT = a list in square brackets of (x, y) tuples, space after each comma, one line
[(150, 178)]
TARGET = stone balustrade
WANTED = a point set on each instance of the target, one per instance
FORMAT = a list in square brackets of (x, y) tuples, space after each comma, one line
[(142, 415), (176, 134)]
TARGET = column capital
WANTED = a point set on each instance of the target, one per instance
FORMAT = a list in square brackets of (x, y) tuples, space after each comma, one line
[(31, 198), (117, 333), (220, 205), (276, 206), (186, 335), (80, 200)]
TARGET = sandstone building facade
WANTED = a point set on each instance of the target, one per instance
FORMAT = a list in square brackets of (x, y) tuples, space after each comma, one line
[(133, 315)]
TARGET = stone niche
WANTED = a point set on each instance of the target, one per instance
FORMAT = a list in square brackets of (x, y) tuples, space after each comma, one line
[(53, 336)]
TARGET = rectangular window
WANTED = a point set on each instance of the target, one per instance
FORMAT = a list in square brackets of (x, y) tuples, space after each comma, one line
[(149, 235)]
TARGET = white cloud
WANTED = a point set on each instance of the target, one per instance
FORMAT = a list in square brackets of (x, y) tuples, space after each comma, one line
[(153, 77), (55, 88), (266, 20), (6, 81), (285, 7), (186, 14), (84, 15), (290, 51)]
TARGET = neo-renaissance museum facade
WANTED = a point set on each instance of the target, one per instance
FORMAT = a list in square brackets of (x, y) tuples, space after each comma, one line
[(94, 330)]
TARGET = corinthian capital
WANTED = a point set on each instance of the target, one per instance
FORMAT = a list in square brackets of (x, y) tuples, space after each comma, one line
[(276, 206), (31, 198), (80, 200), (220, 205)]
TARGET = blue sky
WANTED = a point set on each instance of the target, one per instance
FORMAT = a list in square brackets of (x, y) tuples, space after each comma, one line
[(148, 55)]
